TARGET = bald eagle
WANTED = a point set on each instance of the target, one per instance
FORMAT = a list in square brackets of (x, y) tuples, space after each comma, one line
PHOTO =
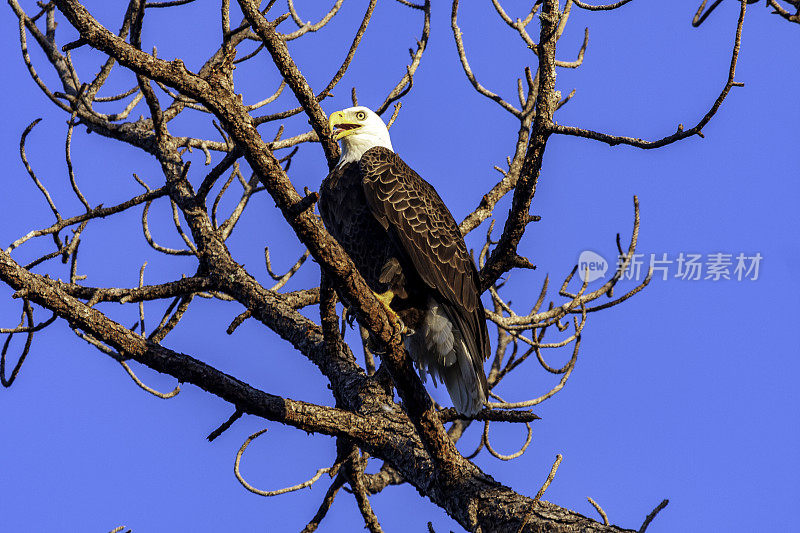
[(407, 246)]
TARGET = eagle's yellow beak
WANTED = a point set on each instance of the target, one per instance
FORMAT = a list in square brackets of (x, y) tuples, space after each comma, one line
[(341, 127)]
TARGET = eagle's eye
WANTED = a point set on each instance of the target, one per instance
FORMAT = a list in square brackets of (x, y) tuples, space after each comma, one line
[(360, 115)]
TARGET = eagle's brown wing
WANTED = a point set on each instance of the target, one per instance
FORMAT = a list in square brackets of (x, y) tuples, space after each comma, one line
[(422, 226)]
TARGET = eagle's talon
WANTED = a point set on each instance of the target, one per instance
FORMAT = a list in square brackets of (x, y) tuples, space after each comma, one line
[(385, 299), (349, 317), (400, 330)]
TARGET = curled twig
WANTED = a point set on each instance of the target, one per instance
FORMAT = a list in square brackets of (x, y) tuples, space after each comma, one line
[(535, 401), (268, 493), (163, 395), (513, 455), (605, 7)]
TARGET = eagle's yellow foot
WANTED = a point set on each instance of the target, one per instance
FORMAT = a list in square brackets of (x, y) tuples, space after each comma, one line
[(385, 299)]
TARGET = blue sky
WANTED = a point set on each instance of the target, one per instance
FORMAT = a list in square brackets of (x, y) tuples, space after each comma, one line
[(687, 391)]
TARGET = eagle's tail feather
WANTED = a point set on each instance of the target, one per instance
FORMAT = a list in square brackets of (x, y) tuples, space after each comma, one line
[(439, 349), (462, 383)]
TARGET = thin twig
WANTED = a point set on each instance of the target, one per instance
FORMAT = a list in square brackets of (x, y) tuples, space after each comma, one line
[(652, 515), (549, 479), (600, 510), (237, 414)]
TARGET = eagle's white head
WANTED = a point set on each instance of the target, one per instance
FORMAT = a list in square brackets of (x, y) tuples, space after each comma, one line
[(358, 129)]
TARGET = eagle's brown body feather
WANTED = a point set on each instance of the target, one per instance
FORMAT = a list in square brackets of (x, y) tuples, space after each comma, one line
[(402, 237)]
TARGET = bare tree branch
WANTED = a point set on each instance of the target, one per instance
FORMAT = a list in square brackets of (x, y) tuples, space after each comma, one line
[(680, 134)]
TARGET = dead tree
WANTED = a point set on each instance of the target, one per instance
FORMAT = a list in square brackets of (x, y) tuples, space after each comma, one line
[(414, 439)]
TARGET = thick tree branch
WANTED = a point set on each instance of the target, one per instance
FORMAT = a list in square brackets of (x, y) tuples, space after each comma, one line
[(185, 369), (293, 77), (504, 257)]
